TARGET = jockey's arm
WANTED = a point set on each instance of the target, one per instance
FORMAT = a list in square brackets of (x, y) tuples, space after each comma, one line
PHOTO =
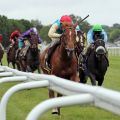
[(26, 34), (52, 32), (105, 36), (12, 41), (90, 37), (39, 40)]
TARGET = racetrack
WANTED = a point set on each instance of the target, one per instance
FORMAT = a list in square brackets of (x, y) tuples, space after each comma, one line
[(22, 102)]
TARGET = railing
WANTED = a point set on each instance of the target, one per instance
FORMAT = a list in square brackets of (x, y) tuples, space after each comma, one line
[(114, 51), (76, 93)]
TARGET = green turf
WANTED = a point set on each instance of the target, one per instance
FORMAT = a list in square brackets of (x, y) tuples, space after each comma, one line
[(22, 102)]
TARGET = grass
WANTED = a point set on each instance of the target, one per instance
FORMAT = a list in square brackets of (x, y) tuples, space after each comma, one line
[(22, 102)]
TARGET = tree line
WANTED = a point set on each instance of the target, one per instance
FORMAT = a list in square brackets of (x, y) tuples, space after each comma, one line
[(7, 26)]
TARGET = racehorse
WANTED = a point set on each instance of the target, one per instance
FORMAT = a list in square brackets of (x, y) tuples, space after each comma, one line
[(63, 60), (1, 54), (30, 62), (11, 53), (96, 63)]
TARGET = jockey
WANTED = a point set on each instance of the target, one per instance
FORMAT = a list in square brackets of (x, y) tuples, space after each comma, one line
[(14, 36), (24, 38), (96, 32), (55, 33), (0, 42)]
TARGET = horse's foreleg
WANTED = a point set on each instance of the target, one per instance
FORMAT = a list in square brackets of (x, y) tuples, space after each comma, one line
[(75, 77), (23, 66), (39, 71), (8, 62), (1, 62), (18, 66), (52, 95), (100, 81), (58, 109), (92, 78), (82, 76), (13, 64)]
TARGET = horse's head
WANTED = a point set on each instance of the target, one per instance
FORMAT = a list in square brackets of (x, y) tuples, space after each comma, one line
[(68, 38), (80, 42), (100, 47), (34, 40)]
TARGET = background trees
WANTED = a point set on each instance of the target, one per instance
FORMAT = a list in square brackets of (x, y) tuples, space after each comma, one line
[(9, 25)]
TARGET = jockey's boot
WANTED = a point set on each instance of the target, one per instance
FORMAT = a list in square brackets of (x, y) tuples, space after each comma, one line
[(25, 50), (50, 52)]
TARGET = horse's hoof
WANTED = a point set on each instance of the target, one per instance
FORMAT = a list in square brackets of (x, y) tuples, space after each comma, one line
[(55, 111)]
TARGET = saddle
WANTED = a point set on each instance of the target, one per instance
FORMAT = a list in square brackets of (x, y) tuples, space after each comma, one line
[(24, 51)]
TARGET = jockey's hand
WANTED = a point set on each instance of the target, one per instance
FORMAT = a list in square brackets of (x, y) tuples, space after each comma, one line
[(13, 42), (39, 46)]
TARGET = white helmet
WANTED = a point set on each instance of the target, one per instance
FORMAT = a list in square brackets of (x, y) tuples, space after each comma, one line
[(35, 30)]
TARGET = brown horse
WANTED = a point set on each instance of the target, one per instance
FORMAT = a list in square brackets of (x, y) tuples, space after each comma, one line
[(30, 62), (63, 60), (1, 54), (11, 53)]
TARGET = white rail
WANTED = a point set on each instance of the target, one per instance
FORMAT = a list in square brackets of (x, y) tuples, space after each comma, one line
[(59, 102), (14, 89), (100, 97), (13, 79)]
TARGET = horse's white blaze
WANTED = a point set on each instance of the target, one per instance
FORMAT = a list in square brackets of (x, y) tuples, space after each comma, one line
[(77, 38), (70, 33)]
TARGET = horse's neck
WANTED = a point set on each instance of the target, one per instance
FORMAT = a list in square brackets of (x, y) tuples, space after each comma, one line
[(63, 55), (97, 61), (62, 51), (33, 52)]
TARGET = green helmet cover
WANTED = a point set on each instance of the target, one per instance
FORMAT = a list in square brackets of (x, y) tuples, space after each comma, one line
[(97, 27)]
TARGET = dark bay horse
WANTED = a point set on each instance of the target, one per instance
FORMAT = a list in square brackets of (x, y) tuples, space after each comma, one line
[(30, 62), (11, 53), (96, 63), (63, 60), (1, 54)]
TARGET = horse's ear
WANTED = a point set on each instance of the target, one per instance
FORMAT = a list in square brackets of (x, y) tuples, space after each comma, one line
[(75, 25)]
